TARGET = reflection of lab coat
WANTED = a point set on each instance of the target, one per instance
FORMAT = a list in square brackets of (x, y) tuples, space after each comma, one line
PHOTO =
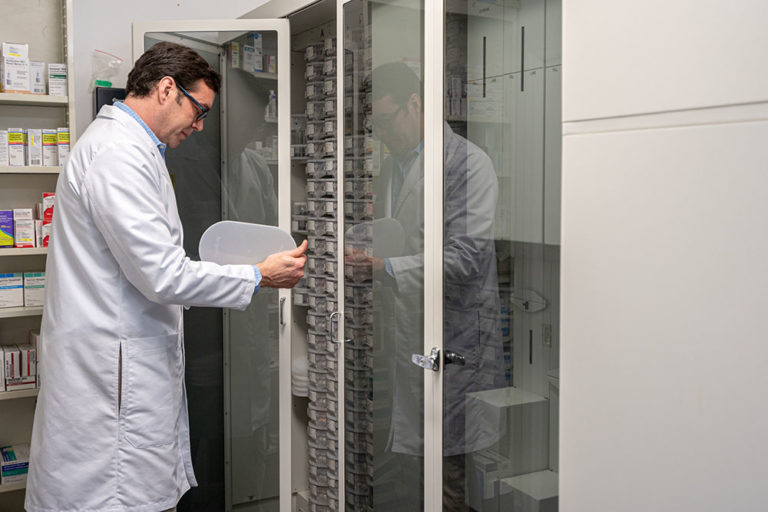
[(117, 280), (471, 314), (252, 194)]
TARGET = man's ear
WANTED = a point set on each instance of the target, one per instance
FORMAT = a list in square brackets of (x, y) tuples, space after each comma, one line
[(165, 89), (416, 100)]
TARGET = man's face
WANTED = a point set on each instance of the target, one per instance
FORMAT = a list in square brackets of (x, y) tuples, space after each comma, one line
[(398, 126), (180, 118)]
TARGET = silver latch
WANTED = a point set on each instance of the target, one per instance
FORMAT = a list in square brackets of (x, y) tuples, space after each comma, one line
[(430, 362)]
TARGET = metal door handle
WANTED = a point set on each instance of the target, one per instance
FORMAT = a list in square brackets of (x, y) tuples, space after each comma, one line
[(282, 318), (333, 316), (454, 358), (430, 362)]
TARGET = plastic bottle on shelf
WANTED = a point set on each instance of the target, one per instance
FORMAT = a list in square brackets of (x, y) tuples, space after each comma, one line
[(271, 113)]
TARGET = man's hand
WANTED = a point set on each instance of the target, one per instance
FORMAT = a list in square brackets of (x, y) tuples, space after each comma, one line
[(283, 269), (361, 258)]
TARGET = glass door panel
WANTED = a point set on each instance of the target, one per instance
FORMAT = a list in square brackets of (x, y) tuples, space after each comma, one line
[(232, 171), (501, 257), (384, 264)]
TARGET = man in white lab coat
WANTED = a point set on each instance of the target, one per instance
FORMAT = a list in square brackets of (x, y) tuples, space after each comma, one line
[(111, 429)]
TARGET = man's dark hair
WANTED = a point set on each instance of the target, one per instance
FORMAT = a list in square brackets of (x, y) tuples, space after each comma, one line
[(182, 64), (397, 80)]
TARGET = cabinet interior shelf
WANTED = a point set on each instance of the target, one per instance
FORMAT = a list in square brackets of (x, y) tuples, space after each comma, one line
[(18, 312), (29, 169), (263, 75), (15, 251), (9, 98), (13, 487), (24, 393)]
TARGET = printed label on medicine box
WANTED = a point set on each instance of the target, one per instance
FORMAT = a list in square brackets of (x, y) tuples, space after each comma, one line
[(37, 77), (11, 363), (6, 228), (22, 214), (34, 339), (21, 383), (34, 289), (48, 200), (50, 148), (57, 79), (28, 360), (14, 67), (16, 146), (234, 55), (11, 290), (46, 233), (14, 463), (3, 147), (62, 139), (38, 233), (23, 233), (34, 146)]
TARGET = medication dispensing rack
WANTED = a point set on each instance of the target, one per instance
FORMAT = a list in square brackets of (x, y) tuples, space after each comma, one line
[(21, 187)]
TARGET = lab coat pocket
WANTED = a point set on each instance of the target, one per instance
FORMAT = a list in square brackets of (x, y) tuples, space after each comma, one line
[(152, 380)]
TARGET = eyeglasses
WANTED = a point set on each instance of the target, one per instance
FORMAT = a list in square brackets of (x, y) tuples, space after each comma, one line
[(203, 111)]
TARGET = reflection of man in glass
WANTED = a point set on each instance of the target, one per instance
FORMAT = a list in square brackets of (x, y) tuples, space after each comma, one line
[(471, 305)]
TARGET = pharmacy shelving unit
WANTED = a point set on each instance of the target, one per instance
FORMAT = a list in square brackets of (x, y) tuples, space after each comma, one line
[(47, 28)]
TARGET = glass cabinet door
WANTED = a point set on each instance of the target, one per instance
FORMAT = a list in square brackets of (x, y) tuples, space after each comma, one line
[(500, 257), (384, 263), (235, 170)]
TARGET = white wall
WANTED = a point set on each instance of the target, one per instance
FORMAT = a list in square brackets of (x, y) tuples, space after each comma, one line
[(664, 247), (106, 25)]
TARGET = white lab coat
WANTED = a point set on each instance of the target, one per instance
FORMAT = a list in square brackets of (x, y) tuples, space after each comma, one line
[(117, 279), (471, 298)]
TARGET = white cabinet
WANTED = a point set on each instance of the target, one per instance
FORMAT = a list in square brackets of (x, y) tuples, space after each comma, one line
[(46, 28), (609, 67)]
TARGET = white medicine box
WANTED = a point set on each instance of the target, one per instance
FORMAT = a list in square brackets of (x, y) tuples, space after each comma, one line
[(14, 65), (11, 290), (2, 369), (34, 289), (14, 464)]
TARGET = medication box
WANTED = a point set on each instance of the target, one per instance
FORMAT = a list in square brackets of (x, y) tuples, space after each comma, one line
[(14, 65), (11, 290), (46, 233), (16, 146), (50, 148), (11, 363), (57, 79), (28, 360), (14, 463), (23, 233), (3, 147), (48, 200), (34, 288), (62, 139), (37, 77), (34, 339), (38, 233), (6, 228), (234, 54), (34, 146)]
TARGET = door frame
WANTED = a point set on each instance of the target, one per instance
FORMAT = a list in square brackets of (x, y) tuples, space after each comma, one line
[(434, 41), (282, 28)]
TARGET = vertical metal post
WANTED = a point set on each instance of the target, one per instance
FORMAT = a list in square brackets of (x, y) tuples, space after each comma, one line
[(434, 23)]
